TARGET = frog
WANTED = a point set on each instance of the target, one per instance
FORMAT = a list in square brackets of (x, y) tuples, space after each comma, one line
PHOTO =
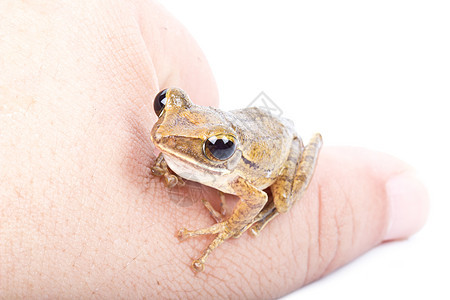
[(248, 152)]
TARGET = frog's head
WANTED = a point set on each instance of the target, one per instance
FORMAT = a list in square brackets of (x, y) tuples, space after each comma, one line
[(194, 139)]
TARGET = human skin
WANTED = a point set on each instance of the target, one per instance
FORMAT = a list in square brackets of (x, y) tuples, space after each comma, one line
[(80, 214)]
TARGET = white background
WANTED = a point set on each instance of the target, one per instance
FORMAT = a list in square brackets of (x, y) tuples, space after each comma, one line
[(374, 74)]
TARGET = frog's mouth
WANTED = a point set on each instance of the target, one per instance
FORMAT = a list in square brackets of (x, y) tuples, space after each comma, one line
[(184, 154), (194, 172), (193, 162)]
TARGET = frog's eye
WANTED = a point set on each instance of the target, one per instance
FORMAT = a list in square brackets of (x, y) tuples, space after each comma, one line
[(160, 102), (219, 147)]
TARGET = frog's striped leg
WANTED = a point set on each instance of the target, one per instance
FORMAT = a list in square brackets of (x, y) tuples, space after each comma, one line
[(292, 182), (281, 188)]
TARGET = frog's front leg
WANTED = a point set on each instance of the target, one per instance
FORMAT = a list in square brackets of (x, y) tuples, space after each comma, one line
[(292, 182), (217, 215), (160, 168), (251, 202)]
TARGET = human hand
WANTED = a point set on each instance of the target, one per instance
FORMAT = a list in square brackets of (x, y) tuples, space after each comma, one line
[(80, 214)]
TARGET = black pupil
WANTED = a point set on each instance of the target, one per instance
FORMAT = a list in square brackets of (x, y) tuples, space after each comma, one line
[(220, 147), (160, 102)]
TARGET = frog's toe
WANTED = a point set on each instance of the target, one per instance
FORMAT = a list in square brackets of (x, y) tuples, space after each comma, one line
[(198, 266), (157, 171), (255, 229), (183, 234), (180, 181), (171, 181)]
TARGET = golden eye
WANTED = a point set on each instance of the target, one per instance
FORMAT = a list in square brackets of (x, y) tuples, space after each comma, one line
[(160, 102), (219, 147)]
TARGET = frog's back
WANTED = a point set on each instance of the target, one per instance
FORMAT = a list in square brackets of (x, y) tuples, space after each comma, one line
[(265, 142), (255, 118)]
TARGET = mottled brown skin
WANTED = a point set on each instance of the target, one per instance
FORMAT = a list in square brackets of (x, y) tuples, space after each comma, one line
[(269, 154)]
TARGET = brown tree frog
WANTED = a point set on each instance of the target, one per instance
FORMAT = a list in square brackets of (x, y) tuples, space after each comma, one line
[(241, 152)]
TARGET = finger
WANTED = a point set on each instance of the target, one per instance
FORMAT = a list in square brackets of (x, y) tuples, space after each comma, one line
[(177, 58), (357, 199)]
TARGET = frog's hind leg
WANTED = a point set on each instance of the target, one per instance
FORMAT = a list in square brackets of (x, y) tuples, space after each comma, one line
[(252, 201), (306, 168), (280, 189), (292, 182)]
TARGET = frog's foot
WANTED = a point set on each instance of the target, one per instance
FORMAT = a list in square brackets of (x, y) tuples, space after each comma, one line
[(161, 169), (260, 224), (264, 217), (198, 264), (223, 233), (183, 233)]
